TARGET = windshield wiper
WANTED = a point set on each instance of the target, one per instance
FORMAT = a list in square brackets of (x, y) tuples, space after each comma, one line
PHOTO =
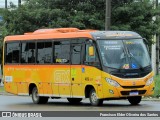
[(130, 55)]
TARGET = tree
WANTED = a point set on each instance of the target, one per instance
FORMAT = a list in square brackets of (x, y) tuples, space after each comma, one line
[(35, 14), (1, 27), (136, 16), (84, 14)]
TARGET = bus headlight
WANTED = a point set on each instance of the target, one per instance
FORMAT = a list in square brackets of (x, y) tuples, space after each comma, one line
[(112, 82), (149, 81)]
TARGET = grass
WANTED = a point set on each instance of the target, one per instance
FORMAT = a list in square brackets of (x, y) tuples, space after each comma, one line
[(1, 89), (157, 86)]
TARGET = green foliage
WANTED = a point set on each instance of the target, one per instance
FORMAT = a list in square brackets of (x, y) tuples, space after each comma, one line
[(157, 88), (2, 89), (136, 16), (1, 33), (36, 14), (83, 14)]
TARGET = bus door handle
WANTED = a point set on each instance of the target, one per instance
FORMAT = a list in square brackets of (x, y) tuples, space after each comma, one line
[(72, 79)]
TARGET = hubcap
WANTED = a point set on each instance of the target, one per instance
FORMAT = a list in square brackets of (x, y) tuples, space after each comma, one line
[(35, 95), (94, 97)]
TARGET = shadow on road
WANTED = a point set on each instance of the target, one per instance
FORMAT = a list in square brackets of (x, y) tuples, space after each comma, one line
[(81, 104)]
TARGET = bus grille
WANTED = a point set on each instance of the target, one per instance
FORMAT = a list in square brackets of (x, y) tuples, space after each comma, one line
[(139, 91), (130, 75), (130, 87)]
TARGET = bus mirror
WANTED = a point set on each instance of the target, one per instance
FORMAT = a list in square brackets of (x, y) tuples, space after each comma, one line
[(145, 41), (91, 51)]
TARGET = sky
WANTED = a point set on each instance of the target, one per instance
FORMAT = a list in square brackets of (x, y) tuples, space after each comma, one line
[(2, 3)]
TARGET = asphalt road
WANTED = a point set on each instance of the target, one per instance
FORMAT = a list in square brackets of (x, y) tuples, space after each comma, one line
[(21, 103)]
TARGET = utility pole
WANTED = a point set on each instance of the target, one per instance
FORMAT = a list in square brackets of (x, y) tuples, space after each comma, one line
[(19, 3), (108, 15), (154, 47), (157, 46), (6, 4)]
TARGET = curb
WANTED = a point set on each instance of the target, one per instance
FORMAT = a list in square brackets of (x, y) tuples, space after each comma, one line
[(4, 93), (151, 99)]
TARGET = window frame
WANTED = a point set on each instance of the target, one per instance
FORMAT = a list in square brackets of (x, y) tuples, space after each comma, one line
[(5, 52), (61, 40), (70, 43), (96, 50), (81, 56), (47, 40), (28, 41)]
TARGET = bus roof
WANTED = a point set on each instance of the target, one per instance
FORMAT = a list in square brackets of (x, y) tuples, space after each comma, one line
[(42, 34), (63, 33), (115, 35)]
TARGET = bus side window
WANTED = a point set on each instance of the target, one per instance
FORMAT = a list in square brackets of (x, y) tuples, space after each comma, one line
[(13, 51), (28, 52), (76, 54), (24, 55), (44, 52), (91, 60), (31, 53), (61, 52)]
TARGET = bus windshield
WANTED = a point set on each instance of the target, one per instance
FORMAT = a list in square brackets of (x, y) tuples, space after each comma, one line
[(124, 54)]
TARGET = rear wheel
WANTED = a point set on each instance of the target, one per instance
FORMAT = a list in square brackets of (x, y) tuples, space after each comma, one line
[(38, 99), (93, 98), (74, 100), (135, 100)]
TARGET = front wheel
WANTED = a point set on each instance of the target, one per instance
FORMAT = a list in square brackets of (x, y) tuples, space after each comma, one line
[(38, 99), (135, 100), (93, 98)]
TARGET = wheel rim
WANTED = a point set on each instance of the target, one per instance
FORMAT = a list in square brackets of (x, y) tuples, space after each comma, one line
[(35, 95), (94, 97)]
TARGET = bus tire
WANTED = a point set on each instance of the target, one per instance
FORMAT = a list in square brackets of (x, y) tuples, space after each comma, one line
[(93, 98), (135, 100), (74, 100), (38, 99)]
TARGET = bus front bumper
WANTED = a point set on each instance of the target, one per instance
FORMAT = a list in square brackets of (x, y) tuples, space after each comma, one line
[(120, 92)]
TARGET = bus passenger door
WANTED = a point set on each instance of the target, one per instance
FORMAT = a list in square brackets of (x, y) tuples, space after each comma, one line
[(62, 81), (76, 71), (92, 74)]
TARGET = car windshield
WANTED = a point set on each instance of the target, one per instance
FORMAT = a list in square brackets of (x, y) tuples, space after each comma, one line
[(124, 54)]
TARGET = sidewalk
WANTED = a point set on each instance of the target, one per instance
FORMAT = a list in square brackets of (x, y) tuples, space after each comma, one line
[(150, 99), (1, 84), (3, 92)]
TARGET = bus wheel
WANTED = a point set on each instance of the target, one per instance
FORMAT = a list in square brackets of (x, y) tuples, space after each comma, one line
[(38, 99), (135, 100), (74, 100), (93, 98)]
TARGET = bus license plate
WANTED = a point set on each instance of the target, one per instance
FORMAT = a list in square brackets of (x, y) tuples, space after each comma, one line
[(133, 93)]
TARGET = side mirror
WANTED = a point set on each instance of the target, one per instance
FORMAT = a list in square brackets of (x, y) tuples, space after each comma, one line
[(146, 43), (145, 40), (91, 51)]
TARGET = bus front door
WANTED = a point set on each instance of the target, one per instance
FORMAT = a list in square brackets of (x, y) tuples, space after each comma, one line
[(76, 71)]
